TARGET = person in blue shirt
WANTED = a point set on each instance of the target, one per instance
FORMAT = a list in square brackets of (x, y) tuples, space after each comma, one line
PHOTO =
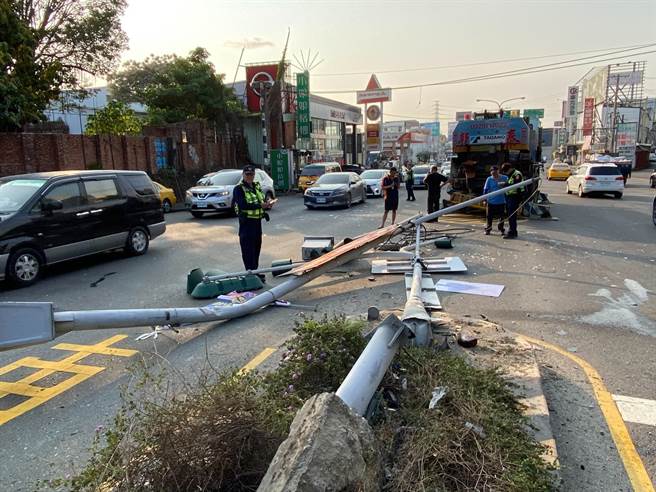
[(496, 206)]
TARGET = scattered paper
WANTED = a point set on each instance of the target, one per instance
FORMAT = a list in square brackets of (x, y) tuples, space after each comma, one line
[(490, 290), (438, 394), (236, 297)]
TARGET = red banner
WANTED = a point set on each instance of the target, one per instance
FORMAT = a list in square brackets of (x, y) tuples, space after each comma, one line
[(588, 116), (255, 74)]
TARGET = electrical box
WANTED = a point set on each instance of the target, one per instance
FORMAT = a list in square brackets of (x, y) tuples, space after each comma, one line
[(315, 246), (25, 323)]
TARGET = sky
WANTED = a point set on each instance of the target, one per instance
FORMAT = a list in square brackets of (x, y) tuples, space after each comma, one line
[(367, 36)]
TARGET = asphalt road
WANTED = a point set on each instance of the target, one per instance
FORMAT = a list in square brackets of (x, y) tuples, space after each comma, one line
[(584, 282)]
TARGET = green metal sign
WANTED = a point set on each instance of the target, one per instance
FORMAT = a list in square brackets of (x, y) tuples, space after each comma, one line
[(303, 120), (280, 169), (534, 113)]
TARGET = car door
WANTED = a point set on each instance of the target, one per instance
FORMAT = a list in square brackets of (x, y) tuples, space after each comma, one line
[(359, 186), (65, 233), (107, 202)]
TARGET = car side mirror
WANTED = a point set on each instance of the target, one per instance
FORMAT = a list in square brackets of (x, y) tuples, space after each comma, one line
[(49, 206)]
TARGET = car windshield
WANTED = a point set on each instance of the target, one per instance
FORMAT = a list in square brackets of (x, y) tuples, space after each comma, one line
[(313, 171), (14, 193), (604, 171), (373, 174), (560, 167), (333, 178), (420, 170), (221, 179)]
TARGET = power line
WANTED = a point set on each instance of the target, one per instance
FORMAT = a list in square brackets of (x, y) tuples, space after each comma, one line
[(511, 73), (475, 64)]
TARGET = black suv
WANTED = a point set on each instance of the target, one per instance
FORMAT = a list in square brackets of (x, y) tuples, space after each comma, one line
[(50, 217)]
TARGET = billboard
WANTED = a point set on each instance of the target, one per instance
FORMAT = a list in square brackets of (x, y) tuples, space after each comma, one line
[(625, 78), (373, 134), (512, 132), (534, 113), (433, 126), (257, 75), (463, 115), (588, 116), (572, 100)]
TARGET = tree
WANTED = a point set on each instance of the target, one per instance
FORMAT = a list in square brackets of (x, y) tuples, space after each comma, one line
[(77, 36), (423, 156), (177, 89), (26, 85), (114, 119)]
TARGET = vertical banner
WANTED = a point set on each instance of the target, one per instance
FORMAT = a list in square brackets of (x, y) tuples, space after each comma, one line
[(588, 116), (303, 105), (572, 100), (281, 169)]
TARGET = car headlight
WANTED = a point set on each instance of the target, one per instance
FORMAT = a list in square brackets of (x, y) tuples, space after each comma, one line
[(308, 192), (223, 193), (309, 182), (188, 194)]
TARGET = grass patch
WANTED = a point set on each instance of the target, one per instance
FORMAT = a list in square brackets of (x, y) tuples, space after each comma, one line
[(474, 439)]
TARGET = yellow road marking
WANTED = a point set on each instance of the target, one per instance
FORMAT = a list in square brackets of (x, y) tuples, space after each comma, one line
[(258, 359), (633, 464), (38, 395)]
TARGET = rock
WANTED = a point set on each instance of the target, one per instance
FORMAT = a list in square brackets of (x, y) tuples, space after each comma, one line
[(467, 339), (329, 448)]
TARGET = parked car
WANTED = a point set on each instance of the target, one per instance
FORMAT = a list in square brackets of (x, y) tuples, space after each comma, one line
[(445, 168), (596, 178), (334, 189), (420, 173), (652, 157), (558, 170), (47, 218), (312, 172), (372, 181), (652, 180), (213, 192), (166, 197), (352, 168)]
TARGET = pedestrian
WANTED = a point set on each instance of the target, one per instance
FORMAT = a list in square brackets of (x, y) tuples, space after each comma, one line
[(434, 182), (496, 206), (513, 199), (390, 186), (409, 182), (250, 206)]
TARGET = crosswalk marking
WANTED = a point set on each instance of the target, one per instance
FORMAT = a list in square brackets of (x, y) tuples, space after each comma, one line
[(636, 410)]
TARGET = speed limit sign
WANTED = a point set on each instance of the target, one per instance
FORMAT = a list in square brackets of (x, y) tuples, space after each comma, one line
[(373, 112)]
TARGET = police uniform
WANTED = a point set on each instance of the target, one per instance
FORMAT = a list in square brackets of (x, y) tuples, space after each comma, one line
[(248, 203), (513, 201)]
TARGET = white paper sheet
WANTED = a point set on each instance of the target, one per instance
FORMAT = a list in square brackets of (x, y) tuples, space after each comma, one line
[(490, 290)]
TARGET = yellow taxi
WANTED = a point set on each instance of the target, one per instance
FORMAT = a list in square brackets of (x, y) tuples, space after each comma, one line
[(311, 172), (558, 170), (166, 196)]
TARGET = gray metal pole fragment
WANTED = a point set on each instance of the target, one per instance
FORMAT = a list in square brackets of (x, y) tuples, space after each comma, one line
[(368, 371), (415, 317), (280, 268)]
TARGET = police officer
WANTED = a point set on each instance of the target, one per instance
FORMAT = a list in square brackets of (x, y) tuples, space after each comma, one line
[(513, 198), (250, 206)]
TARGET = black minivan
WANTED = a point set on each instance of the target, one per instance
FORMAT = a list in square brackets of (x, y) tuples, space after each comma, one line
[(50, 217)]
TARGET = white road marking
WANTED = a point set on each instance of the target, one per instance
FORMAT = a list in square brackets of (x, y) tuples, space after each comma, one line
[(636, 410)]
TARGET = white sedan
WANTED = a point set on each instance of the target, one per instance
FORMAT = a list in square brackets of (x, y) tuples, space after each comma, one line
[(372, 179), (596, 178)]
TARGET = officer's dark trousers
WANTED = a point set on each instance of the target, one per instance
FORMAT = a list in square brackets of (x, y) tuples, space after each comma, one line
[(409, 188), (250, 240), (512, 202), (433, 204)]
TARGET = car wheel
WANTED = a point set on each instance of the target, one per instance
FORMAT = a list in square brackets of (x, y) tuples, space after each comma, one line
[(569, 192), (617, 195), (137, 243), (166, 206), (349, 201), (24, 267), (198, 215), (581, 194)]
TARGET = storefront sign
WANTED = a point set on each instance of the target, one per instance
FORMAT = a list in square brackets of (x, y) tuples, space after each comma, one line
[(513, 132), (282, 169), (343, 113), (258, 77), (624, 78), (303, 105), (572, 100), (463, 115), (588, 116), (373, 134), (373, 112), (374, 93), (534, 113)]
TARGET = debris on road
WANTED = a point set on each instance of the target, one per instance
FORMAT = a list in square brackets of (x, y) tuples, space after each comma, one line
[(438, 394)]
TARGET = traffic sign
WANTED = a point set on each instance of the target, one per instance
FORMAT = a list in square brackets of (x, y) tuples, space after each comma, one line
[(535, 113), (373, 112)]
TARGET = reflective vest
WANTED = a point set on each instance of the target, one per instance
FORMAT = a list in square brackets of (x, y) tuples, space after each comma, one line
[(409, 176), (253, 196), (515, 177)]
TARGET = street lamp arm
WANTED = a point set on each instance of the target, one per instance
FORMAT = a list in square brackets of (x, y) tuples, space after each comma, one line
[(511, 99)]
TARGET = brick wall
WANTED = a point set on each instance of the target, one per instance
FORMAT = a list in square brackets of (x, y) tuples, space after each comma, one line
[(36, 152)]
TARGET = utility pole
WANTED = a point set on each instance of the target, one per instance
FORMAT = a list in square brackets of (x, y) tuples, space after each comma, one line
[(436, 106)]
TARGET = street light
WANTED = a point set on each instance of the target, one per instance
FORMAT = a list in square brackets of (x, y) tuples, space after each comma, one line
[(500, 104)]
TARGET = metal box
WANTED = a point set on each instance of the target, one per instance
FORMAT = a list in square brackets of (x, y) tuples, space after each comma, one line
[(315, 246)]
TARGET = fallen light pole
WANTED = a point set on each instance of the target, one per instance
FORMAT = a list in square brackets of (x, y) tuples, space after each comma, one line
[(362, 381)]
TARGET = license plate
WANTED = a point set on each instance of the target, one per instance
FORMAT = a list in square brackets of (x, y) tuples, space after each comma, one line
[(321, 200), (201, 205)]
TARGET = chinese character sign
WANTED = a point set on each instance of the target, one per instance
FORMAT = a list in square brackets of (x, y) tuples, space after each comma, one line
[(303, 121), (280, 169), (588, 116)]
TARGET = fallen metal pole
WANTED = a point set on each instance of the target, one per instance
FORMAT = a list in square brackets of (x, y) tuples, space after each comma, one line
[(365, 376), (280, 268)]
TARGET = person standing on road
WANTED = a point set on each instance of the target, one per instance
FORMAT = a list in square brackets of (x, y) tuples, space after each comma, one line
[(390, 186), (250, 206), (496, 206), (513, 198), (434, 182), (409, 182)]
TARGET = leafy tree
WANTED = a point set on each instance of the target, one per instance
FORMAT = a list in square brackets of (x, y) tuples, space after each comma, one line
[(114, 119), (78, 36), (177, 88), (26, 85)]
